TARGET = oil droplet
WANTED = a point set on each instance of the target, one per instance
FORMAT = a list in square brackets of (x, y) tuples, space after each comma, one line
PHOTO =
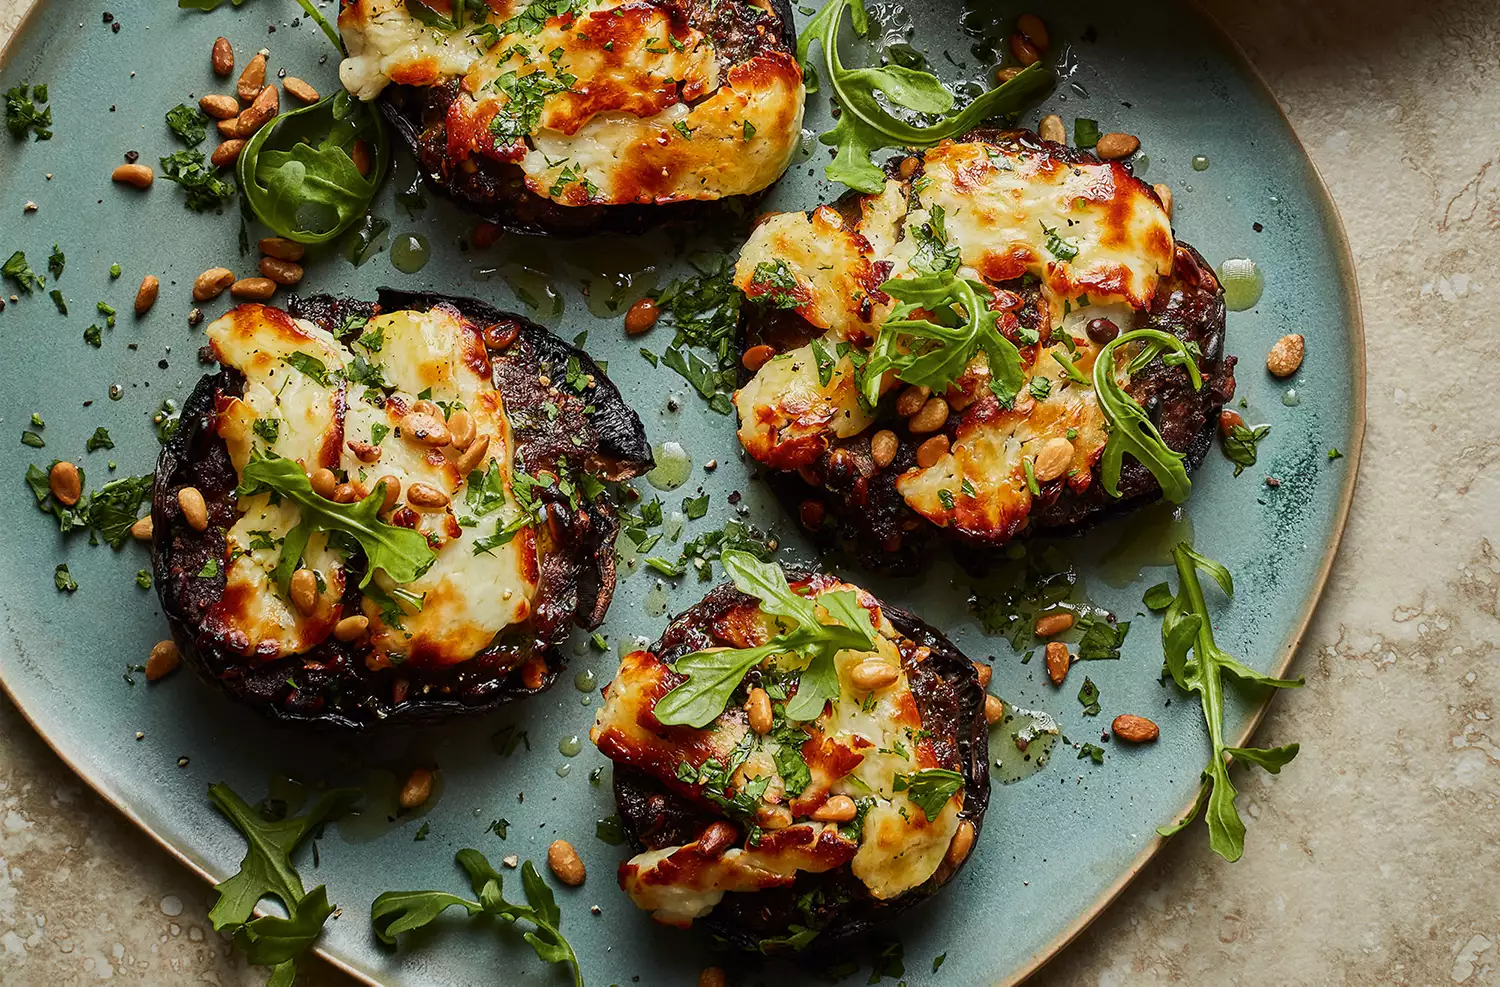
[(656, 600), (1139, 164), (673, 465), (116, 392), (629, 643), (1200, 162), (570, 746), (1147, 540), (410, 253), (563, 770), (1291, 398), (1243, 283), (1022, 743), (584, 681)]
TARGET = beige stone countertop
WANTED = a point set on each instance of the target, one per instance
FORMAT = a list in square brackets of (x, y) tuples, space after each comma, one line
[(1377, 860)]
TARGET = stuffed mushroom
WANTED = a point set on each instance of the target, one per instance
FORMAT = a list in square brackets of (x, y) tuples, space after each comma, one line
[(1006, 339), (390, 511), (794, 762), (583, 115)]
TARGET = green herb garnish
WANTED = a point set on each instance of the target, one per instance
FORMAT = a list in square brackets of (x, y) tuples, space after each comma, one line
[(23, 114), (205, 189), (189, 124), (16, 268), (64, 580), (56, 261), (929, 789), (865, 126), (395, 912), (1088, 697), (1242, 444), (713, 675), (1188, 626), (267, 872)]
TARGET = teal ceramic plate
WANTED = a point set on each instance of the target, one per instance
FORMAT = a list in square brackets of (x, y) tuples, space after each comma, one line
[(1057, 845)]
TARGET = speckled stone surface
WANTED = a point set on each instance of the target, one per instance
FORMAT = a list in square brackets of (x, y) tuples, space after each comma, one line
[(1375, 859)]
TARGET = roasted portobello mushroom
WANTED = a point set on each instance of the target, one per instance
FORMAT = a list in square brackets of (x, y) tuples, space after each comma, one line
[(885, 422), (389, 512), (782, 792), (559, 116)]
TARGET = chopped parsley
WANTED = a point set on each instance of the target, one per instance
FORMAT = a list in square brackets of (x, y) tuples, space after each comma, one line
[(311, 366), (1085, 132), (1040, 387), (23, 112), (695, 507), (57, 299), (1242, 445), (1101, 640), (63, 579), (205, 189), (1057, 246), (99, 440), (524, 98), (17, 270), (705, 311), (189, 124), (269, 429), (774, 284), (56, 261), (143, 578), (1093, 752), (1088, 697), (929, 789), (30, 438)]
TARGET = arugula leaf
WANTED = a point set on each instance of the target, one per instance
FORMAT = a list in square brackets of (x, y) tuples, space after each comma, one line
[(403, 553), (935, 354), (865, 125), (714, 674), (22, 114), (395, 912), (1186, 626), (929, 789), (267, 872), (1130, 428)]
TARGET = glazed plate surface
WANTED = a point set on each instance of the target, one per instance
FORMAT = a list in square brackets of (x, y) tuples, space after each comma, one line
[(1057, 845)]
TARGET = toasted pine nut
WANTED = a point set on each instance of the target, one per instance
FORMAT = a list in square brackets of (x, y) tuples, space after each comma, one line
[(1034, 30), (426, 429), (461, 428), (230, 129), (142, 529), (299, 90), (565, 863), (281, 248), (963, 842), (348, 493), (933, 416), (323, 482), (165, 657), (365, 452), (908, 166), (994, 709), (417, 790), (1135, 729), (771, 817), (211, 283), (422, 406), (360, 155), (883, 447), (139, 175), (718, 837), (351, 628), (985, 673), (253, 78), (255, 289), (1058, 662), (641, 316), (222, 57), (872, 674), (1164, 193), (473, 456), (425, 495), (838, 808), (758, 705), (1006, 74), (910, 401), (219, 106), (712, 976), (1054, 459), (392, 491), (1286, 356), (304, 591), (931, 452), (1051, 129), (281, 271), (1116, 145), (194, 508), (227, 153), (1053, 624), (65, 483), (756, 356), (1229, 420), (1024, 50), (266, 106)]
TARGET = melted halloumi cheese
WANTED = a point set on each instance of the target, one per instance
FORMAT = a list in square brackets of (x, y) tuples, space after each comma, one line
[(597, 101), (1096, 239), (860, 746), (309, 398)]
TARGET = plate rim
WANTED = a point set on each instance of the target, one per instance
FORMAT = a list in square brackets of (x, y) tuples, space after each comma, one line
[(1353, 454)]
